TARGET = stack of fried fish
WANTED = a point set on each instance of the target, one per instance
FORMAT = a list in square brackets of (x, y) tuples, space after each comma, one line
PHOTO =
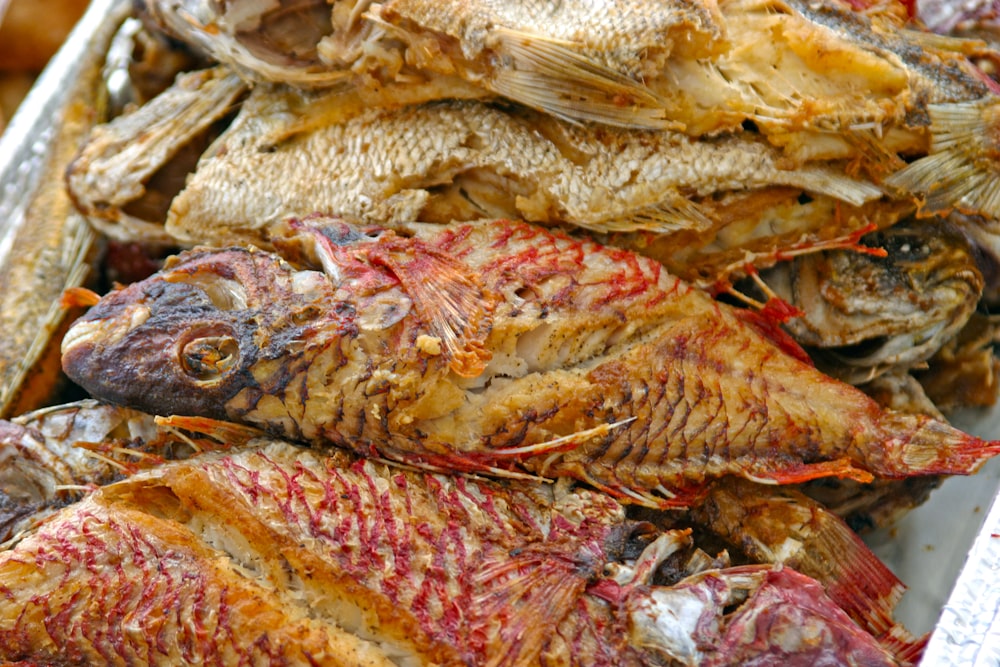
[(504, 333)]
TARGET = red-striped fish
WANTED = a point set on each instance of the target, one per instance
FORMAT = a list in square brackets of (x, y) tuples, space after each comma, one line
[(496, 347)]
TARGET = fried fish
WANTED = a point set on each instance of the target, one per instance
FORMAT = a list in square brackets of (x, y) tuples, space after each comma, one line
[(319, 558), (496, 347)]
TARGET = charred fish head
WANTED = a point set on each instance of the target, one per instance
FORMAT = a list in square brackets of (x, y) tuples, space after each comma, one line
[(194, 332)]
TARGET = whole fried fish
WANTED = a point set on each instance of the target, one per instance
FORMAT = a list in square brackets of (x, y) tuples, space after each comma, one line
[(321, 559), (494, 347), (830, 80), (289, 153)]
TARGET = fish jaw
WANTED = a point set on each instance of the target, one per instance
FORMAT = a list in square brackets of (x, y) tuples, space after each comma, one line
[(126, 344)]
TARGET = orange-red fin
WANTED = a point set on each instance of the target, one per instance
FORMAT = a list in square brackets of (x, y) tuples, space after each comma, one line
[(223, 433), (79, 297), (863, 586), (767, 324), (906, 649), (783, 525), (447, 296), (804, 472)]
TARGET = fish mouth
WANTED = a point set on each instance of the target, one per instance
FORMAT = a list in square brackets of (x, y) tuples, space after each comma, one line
[(89, 333)]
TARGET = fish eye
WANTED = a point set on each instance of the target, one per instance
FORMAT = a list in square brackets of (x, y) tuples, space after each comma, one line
[(210, 358)]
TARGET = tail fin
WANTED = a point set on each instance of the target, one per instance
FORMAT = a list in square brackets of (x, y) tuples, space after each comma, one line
[(920, 445), (960, 171)]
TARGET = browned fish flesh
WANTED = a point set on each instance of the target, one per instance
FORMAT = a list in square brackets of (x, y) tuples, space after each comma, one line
[(323, 560), (495, 347)]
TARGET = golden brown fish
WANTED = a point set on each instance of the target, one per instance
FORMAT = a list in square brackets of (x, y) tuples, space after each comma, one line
[(861, 315), (289, 153), (320, 559), (495, 347), (573, 58), (830, 80)]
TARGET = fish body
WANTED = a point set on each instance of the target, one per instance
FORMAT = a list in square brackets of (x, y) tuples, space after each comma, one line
[(290, 153), (831, 81), (321, 558), (494, 347)]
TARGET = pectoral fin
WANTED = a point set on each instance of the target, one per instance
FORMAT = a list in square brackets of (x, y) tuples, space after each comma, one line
[(447, 297), (552, 76)]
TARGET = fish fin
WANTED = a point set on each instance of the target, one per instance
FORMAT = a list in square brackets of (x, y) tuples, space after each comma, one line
[(804, 472), (767, 322), (542, 580), (551, 76), (446, 295), (561, 444), (225, 433), (814, 541), (832, 183), (448, 463), (960, 169), (919, 445), (907, 650), (675, 215), (862, 585)]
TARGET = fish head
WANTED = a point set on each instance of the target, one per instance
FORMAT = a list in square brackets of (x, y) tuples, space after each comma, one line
[(185, 340), (864, 313)]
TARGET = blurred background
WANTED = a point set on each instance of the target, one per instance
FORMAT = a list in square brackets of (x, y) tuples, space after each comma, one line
[(28, 38)]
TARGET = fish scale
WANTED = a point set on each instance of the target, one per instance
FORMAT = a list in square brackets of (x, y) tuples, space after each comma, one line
[(551, 369)]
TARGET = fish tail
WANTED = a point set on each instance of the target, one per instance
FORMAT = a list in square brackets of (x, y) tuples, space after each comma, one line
[(960, 170), (904, 647), (920, 445)]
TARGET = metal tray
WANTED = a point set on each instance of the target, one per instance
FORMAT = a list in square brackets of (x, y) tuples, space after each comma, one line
[(946, 551)]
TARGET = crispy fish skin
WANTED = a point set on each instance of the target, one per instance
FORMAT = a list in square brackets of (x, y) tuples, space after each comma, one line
[(111, 169), (490, 347), (830, 82), (571, 59), (432, 162), (323, 559)]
